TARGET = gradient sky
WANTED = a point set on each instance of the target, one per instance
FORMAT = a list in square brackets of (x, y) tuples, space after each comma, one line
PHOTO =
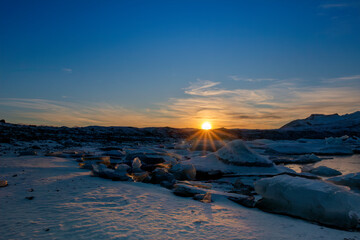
[(237, 64)]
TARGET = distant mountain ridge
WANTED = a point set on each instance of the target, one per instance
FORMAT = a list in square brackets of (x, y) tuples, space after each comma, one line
[(315, 126), (323, 122)]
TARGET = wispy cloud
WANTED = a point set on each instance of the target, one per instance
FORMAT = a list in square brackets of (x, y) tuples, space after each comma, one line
[(237, 78), (59, 113), (203, 88), (342, 79), (334, 5), (68, 70), (269, 107)]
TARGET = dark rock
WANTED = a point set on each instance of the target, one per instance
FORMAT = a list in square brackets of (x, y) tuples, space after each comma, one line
[(147, 159), (141, 177), (116, 175), (241, 188), (208, 175), (148, 167), (3, 183), (168, 185), (106, 149), (185, 190), (248, 201), (160, 174), (15, 175), (183, 171), (30, 198), (205, 198)]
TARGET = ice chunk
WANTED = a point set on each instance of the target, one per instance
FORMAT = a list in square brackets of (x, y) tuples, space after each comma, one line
[(238, 153), (313, 200), (334, 150), (334, 141), (290, 148), (324, 171), (308, 158), (351, 180)]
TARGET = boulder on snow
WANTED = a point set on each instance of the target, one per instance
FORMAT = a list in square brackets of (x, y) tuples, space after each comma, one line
[(312, 200), (351, 180), (238, 153), (3, 183), (136, 164), (185, 190), (122, 167), (160, 174), (324, 171), (240, 188), (102, 171), (140, 176), (246, 201), (183, 171), (208, 175), (205, 198), (148, 158), (166, 184)]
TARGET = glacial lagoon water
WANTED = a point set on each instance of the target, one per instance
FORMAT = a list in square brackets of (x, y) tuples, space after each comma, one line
[(344, 164)]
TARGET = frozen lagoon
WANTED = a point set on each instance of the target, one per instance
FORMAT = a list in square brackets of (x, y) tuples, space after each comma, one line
[(344, 164)]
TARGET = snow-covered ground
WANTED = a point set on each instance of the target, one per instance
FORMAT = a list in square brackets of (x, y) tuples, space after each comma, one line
[(50, 197), (70, 204)]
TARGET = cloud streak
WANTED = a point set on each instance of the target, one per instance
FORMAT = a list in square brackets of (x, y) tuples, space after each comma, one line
[(58, 113), (334, 5), (265, 108), (68, 70), (237, 78), (269, 107)]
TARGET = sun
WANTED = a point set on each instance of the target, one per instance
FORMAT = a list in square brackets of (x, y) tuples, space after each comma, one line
[(206, 126)]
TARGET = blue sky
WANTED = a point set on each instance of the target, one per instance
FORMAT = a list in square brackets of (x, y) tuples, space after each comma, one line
[(237, 64)]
